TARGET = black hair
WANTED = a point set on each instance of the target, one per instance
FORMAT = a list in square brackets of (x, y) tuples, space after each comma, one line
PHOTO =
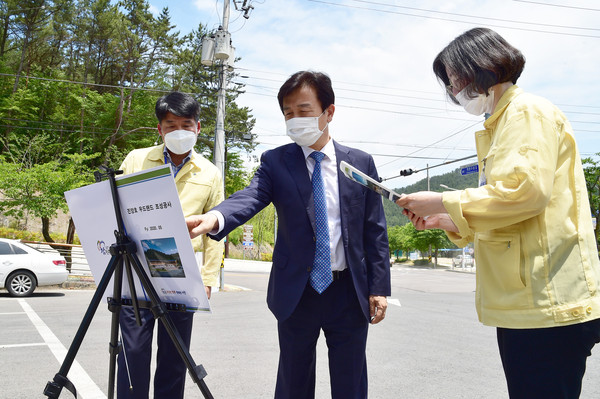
[(316, 80), (179, 104), (480, 58)]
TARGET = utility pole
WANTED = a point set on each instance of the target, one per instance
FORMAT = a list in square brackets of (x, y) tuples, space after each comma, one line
[(219, 149), (218, 47), (223, 41), (429, 189)]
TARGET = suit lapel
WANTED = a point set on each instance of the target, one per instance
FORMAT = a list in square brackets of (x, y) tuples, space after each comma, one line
[(346, 187), (296, 164)]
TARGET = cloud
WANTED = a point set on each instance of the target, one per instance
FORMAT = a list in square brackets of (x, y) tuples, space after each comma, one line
[(208, 6), (154, 10), (388, 100)]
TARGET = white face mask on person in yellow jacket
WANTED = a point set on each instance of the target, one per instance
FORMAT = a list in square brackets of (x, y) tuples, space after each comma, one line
[(535, 251)]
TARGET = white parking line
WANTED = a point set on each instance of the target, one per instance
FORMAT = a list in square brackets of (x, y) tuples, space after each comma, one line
[(86, 388), (21, 345)]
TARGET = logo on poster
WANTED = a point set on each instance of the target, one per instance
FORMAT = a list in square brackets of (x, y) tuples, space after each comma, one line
[(102, 247)]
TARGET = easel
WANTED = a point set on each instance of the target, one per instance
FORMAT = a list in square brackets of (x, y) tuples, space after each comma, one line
[(123, 259)]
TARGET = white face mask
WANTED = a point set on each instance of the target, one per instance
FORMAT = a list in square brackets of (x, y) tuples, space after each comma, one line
[(305, 130), (477, 105), (180, 141)]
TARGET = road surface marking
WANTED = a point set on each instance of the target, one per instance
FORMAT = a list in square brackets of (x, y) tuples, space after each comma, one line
[(22, 345), (86, 388)]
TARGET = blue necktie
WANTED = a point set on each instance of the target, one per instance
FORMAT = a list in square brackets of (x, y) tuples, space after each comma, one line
[(320, 275)]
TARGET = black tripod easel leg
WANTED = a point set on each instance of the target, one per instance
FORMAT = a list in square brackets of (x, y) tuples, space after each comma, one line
[(123, 258), (54, 388), (114, 306), (197, 372)]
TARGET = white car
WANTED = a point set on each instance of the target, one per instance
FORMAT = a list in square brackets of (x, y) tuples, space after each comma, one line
[(23, 268), (457, 261)]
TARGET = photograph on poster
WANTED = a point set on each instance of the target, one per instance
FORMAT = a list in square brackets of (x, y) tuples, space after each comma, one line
[(162, 257)]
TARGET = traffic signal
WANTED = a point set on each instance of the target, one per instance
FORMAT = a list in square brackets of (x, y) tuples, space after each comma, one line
[(406, 172)]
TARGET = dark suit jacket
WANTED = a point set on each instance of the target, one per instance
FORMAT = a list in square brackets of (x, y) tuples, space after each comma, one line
[(283, 179)]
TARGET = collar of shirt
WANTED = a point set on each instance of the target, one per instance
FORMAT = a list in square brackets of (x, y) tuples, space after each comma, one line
[(175, 168), (328, 150)]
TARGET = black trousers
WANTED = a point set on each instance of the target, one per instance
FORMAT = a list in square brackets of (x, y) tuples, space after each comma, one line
[(134, 360), (338, 314), (546, 363)]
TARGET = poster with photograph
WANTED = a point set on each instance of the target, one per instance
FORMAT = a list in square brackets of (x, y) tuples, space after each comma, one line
[(153, 219)]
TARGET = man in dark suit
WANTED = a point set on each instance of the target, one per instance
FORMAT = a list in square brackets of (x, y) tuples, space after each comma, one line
[(331, 268)]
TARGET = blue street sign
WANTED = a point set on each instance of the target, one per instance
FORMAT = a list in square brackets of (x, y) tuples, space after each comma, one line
[(468, 169)]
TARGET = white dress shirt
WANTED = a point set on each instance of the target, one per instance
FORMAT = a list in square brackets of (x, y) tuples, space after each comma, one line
[(329, 172)]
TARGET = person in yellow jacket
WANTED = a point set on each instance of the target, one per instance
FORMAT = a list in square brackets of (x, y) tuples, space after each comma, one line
[(538, 273), (200, 188)]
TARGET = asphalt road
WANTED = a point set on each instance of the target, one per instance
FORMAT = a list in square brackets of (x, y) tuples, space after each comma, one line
[(429, 346)]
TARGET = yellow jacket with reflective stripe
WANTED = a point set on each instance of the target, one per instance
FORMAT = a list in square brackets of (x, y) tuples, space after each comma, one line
[(200, 188), (530, 219)]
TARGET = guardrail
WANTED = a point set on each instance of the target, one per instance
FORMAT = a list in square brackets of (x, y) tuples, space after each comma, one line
[(76, 261)]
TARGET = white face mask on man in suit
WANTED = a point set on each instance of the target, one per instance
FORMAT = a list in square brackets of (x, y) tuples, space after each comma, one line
[(305, 131)]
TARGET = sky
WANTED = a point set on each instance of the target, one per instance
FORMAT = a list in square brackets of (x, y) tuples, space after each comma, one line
[(379, 54)]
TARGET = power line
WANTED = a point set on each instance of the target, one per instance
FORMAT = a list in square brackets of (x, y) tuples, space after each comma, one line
[(395, 89), (439, 141), (56, 128), (412, 106), (454, 20), (275, 89), (337, 82), (558, 5), (351, 84), (408, 145), (475, 16), (406, 156), (53, 126), (94, 84)]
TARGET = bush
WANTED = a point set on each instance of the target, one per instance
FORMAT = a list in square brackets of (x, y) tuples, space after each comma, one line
[(16, 234), (421, 262), (235, 237)]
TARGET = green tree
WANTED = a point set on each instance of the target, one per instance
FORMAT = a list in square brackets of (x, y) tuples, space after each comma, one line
[(236, 175), (83, 76), (401, 238), (436, 239), (39, 190)]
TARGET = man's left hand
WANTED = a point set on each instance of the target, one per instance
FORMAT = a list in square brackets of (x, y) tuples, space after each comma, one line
[(377, 306)]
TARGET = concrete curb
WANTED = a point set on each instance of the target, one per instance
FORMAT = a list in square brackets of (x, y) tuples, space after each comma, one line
[(84, 279), (78, 281)]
